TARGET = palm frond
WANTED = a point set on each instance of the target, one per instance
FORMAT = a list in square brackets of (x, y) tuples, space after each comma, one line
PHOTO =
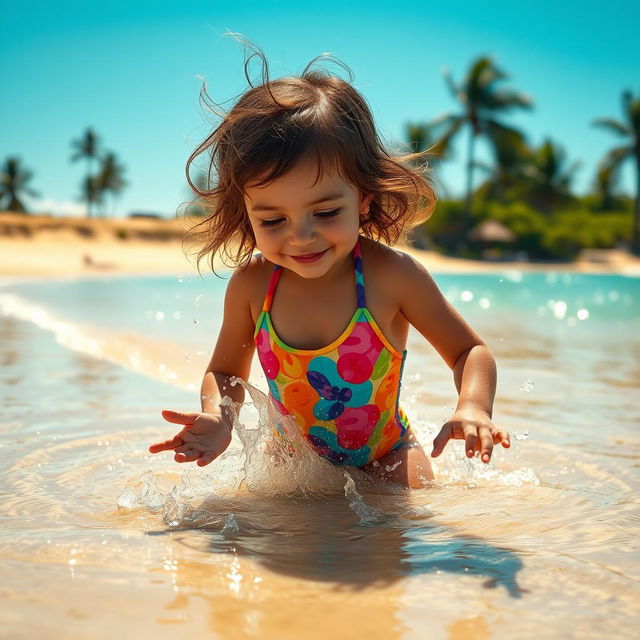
[(631, 108), (506, 100), (455, 92), (508, 144), (613, 126), (450, 127), (617, 156)]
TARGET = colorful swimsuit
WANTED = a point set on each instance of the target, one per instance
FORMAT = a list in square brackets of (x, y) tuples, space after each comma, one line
[(344, 396)]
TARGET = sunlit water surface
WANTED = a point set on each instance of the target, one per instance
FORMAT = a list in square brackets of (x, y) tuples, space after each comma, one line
[(100, 538)]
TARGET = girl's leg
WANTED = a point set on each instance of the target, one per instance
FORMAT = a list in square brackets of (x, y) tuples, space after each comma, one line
[(407, 465)]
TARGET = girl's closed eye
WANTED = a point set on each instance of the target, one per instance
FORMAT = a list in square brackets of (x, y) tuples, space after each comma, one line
[(328, 214), (324, 215), (271, 223)]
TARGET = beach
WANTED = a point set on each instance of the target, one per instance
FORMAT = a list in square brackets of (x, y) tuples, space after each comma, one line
[(46, 246), (538, 544)]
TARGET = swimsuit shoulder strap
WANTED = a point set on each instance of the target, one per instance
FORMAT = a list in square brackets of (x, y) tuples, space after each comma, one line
[(273, 282), (357, 261)]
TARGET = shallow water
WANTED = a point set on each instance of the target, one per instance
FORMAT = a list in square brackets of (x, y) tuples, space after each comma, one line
[(98, 535)]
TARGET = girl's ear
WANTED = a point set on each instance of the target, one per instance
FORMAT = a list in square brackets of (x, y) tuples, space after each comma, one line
[(365, 202)]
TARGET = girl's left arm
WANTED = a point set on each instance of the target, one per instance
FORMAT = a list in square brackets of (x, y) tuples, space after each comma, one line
[(473, 366)]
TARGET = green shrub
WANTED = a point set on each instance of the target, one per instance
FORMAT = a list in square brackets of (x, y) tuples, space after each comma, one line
[(559, 235)]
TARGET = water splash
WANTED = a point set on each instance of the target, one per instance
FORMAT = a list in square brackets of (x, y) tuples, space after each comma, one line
[(143, 492), (277, 465), (368, 515), (268, 465), (230, 527)]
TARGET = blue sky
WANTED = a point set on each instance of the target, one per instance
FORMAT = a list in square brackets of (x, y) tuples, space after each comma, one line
[(131, 70)]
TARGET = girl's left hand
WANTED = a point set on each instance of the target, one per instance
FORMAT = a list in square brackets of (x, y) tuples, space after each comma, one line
[(475, 427)]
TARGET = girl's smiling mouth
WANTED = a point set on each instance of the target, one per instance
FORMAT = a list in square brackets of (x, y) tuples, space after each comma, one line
[(309, 257)]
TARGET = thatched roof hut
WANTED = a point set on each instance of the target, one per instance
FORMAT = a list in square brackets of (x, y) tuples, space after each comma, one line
[(491, 231)]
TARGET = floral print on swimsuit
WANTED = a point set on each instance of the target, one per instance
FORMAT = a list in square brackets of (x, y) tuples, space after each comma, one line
[(344, 397)]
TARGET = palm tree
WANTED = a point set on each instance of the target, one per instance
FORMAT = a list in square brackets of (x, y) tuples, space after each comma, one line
[(13, 185), (511, 154), (91, 192), (630, 131), (605, 186), (540, 177), (87, 147), (481, 102), (548, 177), (110, 178)]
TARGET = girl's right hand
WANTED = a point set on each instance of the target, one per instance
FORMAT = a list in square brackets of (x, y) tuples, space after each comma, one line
[(204, 437)]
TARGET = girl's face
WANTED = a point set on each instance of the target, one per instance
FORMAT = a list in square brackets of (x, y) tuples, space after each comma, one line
[(305, 227)]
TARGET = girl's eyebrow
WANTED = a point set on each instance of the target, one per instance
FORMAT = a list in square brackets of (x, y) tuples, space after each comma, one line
[(266, 207)]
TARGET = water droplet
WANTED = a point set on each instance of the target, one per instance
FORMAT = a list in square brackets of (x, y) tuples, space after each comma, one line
[(177, 315), (560, 309), (582, 314), (521, 436), (159, 315), (528, 386), (180, 278), (484, 303), (187, 357), (466, 296), (196, 321)]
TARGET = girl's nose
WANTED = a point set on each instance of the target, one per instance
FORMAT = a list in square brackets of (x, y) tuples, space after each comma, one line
[(302, 232)]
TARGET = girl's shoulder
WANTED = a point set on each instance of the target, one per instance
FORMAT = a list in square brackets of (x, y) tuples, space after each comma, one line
[(249, 283), (388, 265)]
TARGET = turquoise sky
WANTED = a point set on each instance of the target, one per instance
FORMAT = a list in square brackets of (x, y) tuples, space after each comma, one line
[(130, 70)]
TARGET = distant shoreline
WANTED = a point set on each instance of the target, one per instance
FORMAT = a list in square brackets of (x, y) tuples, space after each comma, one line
[(41, 246)]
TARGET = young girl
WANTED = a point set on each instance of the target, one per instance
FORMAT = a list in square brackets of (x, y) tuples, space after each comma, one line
[(301, 175)]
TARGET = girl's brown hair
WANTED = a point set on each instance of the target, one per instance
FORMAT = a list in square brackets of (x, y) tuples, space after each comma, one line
[(278, 123)]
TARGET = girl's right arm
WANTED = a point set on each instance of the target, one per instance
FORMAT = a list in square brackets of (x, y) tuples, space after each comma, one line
[(206, 435)]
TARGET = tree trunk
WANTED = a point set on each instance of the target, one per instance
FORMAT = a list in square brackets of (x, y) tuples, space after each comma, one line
[(88, 186), (469, 194), (15, 205), (635, 232)]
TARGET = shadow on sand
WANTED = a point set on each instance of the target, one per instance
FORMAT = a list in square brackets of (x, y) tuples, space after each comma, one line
[(324, 539)]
